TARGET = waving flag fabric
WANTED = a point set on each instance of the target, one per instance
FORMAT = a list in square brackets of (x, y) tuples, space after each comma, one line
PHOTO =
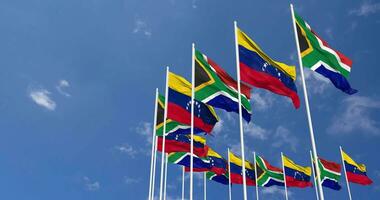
[(179, 105), (172, 127), (181, 143), (296, 175), (330, 174), (218, 164), (237, 171), (268, 175), (183, 158), (356, 173), (259, 70), (223, 179), (215, 87), (320, 57)]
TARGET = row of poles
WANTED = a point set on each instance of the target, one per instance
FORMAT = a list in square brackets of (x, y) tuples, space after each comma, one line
[(164, 156)]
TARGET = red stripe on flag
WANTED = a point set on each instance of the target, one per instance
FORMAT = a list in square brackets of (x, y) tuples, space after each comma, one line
[(175, 146), (226, 78), (359, 179), (238, 179), (263, 80), (292, 182), (182, 115)]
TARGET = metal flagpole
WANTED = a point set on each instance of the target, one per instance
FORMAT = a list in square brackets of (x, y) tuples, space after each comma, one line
[(345, 173), (152, 160), (315, 180), (307, 103), (240, 113), (183, 182), (166, 174), (283, 170), (192, 119), (257, 184), (204, 186), (164, 132), (154, 166), (229, 175)]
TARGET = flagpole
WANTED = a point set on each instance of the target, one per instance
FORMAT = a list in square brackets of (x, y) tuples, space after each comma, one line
[(240, 113), (204, 186), (183, 182), (154, 166), (257, 184), (315, 180), (345, 173), (283, 173), (192, 119), (166, 174), (164, 133), (152, 161), (229, 175), (307, 104)]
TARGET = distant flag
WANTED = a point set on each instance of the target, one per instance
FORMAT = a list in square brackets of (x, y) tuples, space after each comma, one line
[(268, 175), (259, 70), (356, 173), (179, 105), (217, 88), (181, 143), (296, 175), (183, 158), (223, 178), (330, 174), (172, 127), (320, 57), (218, 164), (236, 170)]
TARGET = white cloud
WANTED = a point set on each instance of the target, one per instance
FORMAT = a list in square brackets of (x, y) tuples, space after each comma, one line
[(274, 191), (366, 8), (356, 116), (218, 128), (145, 129), (284, 137), (41, 97), (329, 32), (142, 27), (262, 100), (315, 82), (91, 185), (127, 149), (62, 84), (194, 4), (256, 131), (129, 180)]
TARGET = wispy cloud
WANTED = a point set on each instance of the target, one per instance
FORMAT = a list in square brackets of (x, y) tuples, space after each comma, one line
[(275, 191), (284, 137), (366, 8), (130, 180), (142, 28), (42, 98), (316, 83), (356, 115), (145, 129), (62, 85), (329, 33), (262, 100), (91, 185), (194, 4), (218, 128), (127, 149), (256, 131)]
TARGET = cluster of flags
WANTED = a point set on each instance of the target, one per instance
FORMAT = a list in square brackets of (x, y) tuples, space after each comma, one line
[(188, 108)]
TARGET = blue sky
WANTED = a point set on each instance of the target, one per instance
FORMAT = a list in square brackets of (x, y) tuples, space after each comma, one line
[(78, 78)]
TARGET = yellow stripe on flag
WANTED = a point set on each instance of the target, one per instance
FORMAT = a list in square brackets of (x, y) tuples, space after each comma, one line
[(350, 161), (179, 84), (290, 164), (249, 44), (237, 161), (212, 153)]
